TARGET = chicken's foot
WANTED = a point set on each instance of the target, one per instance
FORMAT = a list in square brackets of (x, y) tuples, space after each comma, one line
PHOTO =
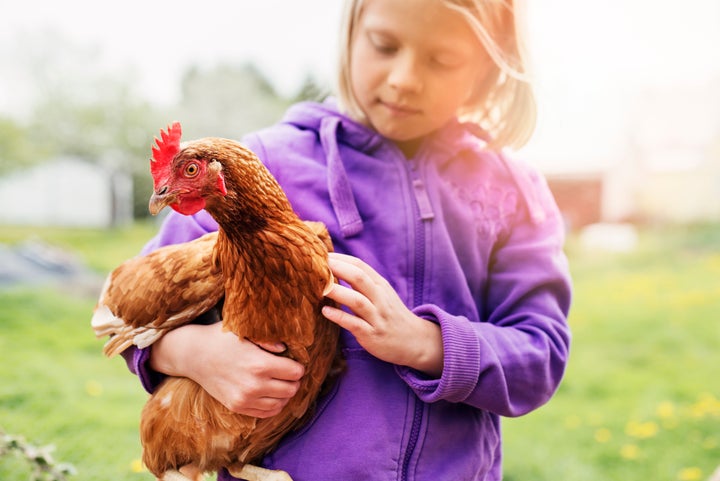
[(186, 473), (256, 473), (247, 472)]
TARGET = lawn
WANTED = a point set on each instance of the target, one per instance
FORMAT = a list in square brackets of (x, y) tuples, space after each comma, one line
[(640, 401), (55, 385), (641, 398)]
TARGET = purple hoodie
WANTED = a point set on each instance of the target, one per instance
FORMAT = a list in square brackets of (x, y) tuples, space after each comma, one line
[(469, 240)]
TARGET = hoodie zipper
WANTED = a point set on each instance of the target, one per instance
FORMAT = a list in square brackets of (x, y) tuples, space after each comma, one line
[(423, 213), (413, 439), (422, 210)]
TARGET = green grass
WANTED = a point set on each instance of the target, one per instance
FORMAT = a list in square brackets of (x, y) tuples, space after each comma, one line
[(640, 401), (56, 387), (100, 249), (641, 397)]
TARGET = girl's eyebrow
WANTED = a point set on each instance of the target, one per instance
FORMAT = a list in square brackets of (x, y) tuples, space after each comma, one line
[(379, 27), (380, 33), (442, 46), (436, 48)]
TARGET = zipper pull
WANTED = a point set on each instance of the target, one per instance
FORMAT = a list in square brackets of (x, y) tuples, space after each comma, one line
[(423, 200), (420, 192)]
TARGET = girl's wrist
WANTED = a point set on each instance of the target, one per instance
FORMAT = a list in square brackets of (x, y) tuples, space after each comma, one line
[(428, 355), (169, 353)]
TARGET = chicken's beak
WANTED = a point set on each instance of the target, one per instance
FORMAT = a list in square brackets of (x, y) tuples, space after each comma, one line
[(159, 200)]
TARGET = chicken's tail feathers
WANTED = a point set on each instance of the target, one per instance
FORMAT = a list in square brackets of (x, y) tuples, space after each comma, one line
[(115, 345), (104, 322), (121, 335)]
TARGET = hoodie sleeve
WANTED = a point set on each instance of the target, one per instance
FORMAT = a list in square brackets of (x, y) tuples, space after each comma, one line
[(511, 362), (175, 229)]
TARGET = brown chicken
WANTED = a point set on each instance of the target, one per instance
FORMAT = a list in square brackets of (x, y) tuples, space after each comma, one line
[(266, 267)]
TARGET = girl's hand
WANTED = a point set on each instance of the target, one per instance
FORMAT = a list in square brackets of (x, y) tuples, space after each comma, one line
[(247, 378), (380, 322)]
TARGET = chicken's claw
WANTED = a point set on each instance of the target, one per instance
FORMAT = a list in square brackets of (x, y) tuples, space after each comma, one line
[(256, 473), (173, 475)]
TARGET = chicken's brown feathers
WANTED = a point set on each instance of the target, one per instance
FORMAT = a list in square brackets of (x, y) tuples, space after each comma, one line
[(147, 296), (271, 271)]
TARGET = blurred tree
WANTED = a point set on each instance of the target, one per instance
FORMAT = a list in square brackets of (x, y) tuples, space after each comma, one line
[(227, 101), (80, 108), (117, 124), (114, 130), (16, 149), (310, 89)]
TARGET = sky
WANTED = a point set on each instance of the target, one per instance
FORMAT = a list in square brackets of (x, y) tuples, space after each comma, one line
[(160, 38), (590, 58)]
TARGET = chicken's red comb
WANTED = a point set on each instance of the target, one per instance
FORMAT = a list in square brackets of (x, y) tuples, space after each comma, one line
[(168, 145)]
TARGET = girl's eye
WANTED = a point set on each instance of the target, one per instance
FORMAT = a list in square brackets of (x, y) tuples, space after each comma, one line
[(385, 49), (192, 169), (445, 61), (382, 45)]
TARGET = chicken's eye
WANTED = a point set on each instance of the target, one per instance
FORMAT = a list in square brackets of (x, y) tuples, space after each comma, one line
[(192, 169)]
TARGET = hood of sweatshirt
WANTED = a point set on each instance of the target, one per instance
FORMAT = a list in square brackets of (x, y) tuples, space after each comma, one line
[(449, 142)]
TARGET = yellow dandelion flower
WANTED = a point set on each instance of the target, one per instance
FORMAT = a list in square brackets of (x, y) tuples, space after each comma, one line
[(713, 262), (641, 430), (93, 388), (665, 410), (706, 405), (137, 466), (629, 452), (690, 474), (603, 435)]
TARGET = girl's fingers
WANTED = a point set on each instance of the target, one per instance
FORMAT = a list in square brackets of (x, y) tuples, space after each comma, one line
[(360, 276), (351, 298), (275, 348), (344, 319), (276, 389), (353, 267)]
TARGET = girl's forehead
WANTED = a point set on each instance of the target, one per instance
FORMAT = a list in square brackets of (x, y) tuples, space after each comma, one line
[(427, 22)]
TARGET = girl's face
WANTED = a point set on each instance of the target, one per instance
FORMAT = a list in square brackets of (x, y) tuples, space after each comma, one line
[(414, 63)]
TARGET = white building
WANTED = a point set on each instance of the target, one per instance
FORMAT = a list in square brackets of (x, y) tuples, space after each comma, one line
[(66, 192)]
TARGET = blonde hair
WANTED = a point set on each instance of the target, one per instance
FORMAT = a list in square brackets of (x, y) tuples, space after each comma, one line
[(504, 102)]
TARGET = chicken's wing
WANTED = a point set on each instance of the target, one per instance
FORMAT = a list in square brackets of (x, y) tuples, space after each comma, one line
[(148, 295)]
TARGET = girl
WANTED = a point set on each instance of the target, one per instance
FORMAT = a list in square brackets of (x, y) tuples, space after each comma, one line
[(456, 288)]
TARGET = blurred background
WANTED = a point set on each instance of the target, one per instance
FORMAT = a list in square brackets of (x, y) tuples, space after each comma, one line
[(628, 138)]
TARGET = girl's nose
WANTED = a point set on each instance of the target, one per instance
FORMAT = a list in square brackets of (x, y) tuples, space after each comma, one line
[(404, 74)]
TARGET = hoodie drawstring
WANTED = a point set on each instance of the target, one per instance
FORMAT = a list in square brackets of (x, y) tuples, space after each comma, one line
[(341, 195)]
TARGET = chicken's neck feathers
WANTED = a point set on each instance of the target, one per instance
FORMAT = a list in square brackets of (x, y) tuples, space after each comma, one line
[(274, 282), (274, 265)]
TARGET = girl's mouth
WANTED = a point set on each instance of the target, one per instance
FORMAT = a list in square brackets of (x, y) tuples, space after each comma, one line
[(399, 109)]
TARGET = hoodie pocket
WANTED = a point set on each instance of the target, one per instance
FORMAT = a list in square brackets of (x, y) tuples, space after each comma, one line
[(358, 429)]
